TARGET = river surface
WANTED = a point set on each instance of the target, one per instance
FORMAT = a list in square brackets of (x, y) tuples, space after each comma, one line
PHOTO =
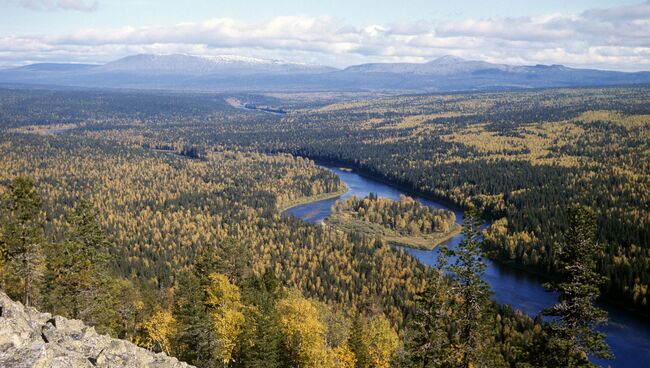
[(627, 334), (268, 110)]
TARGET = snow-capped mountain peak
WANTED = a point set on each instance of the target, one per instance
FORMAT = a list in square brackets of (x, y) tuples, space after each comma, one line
[(240, 59)]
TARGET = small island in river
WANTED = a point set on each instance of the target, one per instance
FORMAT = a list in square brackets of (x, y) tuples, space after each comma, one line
[(405, 222)]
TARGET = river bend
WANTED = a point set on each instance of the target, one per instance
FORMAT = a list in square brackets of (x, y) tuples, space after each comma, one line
[(627, 334)]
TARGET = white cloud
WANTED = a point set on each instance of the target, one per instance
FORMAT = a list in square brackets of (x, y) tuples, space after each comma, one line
[(614, 38)]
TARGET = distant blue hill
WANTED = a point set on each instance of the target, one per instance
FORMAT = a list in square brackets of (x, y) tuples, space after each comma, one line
[(57, 67), (237, 73)]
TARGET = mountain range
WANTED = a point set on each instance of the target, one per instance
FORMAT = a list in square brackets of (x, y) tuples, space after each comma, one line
[(239, 73)]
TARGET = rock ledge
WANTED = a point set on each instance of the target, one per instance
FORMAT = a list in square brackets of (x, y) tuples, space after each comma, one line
[(29, 338)]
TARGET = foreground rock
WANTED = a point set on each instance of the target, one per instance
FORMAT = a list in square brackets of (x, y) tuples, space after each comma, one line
[(29, 338)]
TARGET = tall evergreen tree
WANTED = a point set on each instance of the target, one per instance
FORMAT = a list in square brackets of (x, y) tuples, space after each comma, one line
[(575, 331), (428, 344), (76, 267), (261, 339), (87, 231), (22, 239), (196, 338), (198, 341), (355, 341), (471, 296), (452, 326)]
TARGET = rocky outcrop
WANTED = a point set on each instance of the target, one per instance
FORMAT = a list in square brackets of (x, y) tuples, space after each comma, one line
[(29, 338)]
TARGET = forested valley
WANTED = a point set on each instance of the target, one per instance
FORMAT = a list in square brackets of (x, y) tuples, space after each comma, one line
[(166, 208), (519, 157)]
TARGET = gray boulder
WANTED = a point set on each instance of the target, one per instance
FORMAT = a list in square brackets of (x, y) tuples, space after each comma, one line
[(29, 338)]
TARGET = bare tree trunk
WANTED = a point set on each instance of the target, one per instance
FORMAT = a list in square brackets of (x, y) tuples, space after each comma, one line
[(26, 270), (3, 280), (27, 279)]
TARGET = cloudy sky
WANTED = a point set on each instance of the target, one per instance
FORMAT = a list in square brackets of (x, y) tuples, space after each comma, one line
[(606, 34)]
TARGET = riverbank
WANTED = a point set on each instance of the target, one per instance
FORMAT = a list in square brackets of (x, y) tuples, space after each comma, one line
[(236, 103), (317, 198)]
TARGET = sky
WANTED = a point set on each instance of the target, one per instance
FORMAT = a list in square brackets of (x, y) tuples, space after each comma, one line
[(604, 34)]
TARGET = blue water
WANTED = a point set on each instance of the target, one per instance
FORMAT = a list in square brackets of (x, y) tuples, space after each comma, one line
[(627, 334)]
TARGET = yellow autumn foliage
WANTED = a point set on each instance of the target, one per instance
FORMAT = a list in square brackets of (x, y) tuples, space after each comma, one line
[(160, 328), (226, 311)]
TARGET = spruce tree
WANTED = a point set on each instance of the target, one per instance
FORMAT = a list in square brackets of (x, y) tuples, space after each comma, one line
[(429, 344), (229, 257), (453, 324), (261, 339), (355, 341), (471, 294), (195, 340), (76, 267), (22, 240), (578, 317)]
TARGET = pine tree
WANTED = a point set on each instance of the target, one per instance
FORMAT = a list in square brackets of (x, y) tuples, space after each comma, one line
[(579, 288)]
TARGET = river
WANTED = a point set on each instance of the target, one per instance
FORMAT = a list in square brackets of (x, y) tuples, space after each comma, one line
[(627, 334)]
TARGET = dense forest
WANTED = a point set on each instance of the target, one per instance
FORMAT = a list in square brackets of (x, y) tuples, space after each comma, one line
[(220, 313), (168, 207), (520, 157), (159, 210)]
